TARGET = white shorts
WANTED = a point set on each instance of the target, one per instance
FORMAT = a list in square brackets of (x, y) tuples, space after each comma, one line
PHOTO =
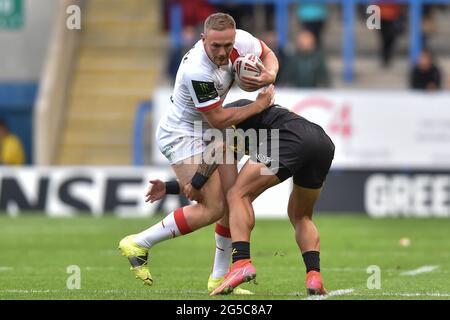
[(178, 144)]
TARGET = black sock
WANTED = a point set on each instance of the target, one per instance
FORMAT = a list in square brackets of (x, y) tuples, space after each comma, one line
[(241, 250), (312, 260)]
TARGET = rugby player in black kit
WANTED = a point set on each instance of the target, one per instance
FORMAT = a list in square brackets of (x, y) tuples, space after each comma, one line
[(305, 153)]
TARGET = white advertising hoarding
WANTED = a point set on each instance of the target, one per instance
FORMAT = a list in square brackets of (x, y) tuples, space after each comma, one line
[(371, 129)]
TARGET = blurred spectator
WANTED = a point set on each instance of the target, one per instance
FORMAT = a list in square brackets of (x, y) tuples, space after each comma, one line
[(11, 149), (425, 74), (306, 67), (242, 13), (428, 23), (195, 13), (270, 16), (392, 25), (313, 17), (271, 39)]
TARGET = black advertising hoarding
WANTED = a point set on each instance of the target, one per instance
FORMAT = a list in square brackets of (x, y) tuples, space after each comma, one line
[(66, 191), (387, 193)]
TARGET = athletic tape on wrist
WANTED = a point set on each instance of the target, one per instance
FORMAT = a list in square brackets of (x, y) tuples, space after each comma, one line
[(172, 187)]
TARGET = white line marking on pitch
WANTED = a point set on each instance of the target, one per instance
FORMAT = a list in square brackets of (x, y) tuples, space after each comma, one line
[(5, 268), (427, 294), (331, 294), (348, 292), (420, 270)]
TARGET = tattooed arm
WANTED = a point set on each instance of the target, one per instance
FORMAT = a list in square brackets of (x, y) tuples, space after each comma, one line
[(211, 157), (216, 154)]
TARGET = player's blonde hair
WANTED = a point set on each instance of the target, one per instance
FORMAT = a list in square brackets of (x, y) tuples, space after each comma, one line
[(219, 21)]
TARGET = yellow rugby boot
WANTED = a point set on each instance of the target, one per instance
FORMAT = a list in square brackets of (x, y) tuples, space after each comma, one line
[(137, 256), (213, 283)]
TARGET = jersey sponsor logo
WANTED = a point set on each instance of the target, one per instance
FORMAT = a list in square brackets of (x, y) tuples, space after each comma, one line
[(204, 91), (168, 152)]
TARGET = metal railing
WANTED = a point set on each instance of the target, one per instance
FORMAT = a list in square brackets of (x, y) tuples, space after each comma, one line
[(143, 109)]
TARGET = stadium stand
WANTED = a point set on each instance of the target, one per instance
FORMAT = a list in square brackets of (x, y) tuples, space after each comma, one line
[(117, 65), (96, 78)]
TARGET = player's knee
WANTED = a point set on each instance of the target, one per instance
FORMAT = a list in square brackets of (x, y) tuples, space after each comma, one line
[(233, 195), (217, 209), (301, 216)]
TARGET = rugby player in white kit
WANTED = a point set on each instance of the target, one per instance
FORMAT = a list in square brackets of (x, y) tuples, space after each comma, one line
[(203, 79)]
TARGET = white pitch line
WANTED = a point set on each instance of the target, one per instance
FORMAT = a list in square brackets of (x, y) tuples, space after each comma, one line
[(5, 268), (420, 270), (348, 292), (427, 294), (28, 291), (331, 294), (397, 294)]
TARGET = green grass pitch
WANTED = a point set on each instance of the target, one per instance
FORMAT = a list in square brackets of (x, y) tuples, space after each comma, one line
[(35, 252)]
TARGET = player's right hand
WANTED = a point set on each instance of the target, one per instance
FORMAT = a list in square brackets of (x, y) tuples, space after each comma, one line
[(191, 193), (266, 97), (156, 191)]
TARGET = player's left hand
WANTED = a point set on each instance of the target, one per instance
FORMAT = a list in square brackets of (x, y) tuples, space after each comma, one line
[(191, 193), (156, 191), (264, 79)]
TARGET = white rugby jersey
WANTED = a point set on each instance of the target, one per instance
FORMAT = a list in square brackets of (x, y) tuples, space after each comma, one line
[(201, 85)]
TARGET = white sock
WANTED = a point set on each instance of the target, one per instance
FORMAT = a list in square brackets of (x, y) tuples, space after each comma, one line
[(223, 252), (163, 230)]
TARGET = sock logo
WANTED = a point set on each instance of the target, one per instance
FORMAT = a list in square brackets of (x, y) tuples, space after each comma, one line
[(173, 233), (234, 251)]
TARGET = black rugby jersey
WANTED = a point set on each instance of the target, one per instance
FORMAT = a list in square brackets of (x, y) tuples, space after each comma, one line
[(275, 117), (271, 118)]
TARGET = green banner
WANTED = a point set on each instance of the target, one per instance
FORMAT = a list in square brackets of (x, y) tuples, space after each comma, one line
[(11, 14)]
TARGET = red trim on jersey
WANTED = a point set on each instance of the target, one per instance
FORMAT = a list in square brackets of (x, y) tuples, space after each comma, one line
[(181, 222), (234, 55), (223, 231), (263, 52), (214, 105)]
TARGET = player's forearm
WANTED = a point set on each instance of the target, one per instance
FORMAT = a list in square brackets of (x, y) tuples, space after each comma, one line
[(233, 116), (270, 62)]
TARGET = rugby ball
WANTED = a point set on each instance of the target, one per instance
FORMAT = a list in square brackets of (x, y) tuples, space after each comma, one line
[(246, 66)]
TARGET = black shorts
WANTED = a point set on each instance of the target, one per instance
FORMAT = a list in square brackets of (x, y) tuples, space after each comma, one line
[(305, 152)]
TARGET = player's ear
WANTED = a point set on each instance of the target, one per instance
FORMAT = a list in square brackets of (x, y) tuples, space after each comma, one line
[(203, 36)]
